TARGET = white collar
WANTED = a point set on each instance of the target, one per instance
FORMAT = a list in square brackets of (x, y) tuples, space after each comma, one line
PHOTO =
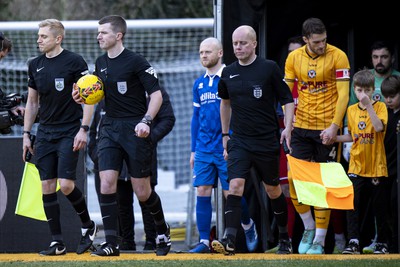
[(219, 72)]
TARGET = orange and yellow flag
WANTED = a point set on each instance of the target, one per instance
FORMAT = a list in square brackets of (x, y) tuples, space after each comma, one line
[(324, 185)]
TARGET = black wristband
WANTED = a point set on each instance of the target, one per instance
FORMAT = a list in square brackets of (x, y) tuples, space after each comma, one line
[(27, 132), (85, 127), (145, 121), (225, 134)]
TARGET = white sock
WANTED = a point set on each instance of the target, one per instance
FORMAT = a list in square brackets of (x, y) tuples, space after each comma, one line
[(205, 242), (320, 235), (308, 220)]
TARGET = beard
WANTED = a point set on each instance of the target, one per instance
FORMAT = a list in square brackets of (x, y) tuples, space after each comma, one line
[(210, 63), (381, 69)]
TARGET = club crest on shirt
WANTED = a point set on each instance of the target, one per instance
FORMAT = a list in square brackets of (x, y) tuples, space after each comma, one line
[(59, 84), (312, 74), (122, 87), (375, 181), (376, 97), (361, 125), (257, 91)]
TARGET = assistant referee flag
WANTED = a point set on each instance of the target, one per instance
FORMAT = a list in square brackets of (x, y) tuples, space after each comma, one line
[(324, 185), (30, 202)]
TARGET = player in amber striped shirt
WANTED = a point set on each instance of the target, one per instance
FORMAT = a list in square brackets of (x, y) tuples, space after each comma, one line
[(323, 86), (323, 75), (367, 122)]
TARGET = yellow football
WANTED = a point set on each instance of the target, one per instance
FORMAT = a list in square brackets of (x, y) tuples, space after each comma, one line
[(90, 88)]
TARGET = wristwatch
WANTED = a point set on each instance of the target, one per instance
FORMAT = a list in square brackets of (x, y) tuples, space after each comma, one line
[(147, 119), (85, 127)]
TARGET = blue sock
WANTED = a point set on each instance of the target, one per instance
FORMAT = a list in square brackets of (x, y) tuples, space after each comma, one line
[(203, 216), (245, 212)]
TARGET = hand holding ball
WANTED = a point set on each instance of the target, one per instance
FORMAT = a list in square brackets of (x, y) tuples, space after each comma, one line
[(90, 88)]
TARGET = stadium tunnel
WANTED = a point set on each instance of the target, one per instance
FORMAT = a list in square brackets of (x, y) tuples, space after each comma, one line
[(353, 28)]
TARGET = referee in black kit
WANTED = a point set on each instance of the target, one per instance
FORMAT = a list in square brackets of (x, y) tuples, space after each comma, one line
[(61, 133), (250, 89), (162, 125), (125, 133)]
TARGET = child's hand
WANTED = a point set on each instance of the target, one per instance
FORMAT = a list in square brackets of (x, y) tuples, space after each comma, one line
[(364, 99)]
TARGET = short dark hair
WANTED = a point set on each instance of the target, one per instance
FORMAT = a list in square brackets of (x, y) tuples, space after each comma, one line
[(381, 44), (313, 26), (118, 23), (296, 40), (364, 78), (390, 85), (6, 44)]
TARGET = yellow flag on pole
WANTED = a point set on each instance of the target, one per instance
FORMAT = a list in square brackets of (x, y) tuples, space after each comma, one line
[(30, 202), (324, 185)]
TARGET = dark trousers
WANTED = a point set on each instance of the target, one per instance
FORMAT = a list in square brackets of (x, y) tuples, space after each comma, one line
[(393, 217), (375, 192)]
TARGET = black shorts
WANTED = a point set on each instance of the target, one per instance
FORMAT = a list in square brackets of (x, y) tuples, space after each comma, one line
[(261, 155), (307, 145), (118, 142), (54, 153)]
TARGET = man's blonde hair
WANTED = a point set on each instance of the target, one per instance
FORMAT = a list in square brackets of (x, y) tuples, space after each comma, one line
[(56, 27)]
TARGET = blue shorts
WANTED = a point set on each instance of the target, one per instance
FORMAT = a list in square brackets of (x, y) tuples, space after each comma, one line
[(54, 153), (208, 167)]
